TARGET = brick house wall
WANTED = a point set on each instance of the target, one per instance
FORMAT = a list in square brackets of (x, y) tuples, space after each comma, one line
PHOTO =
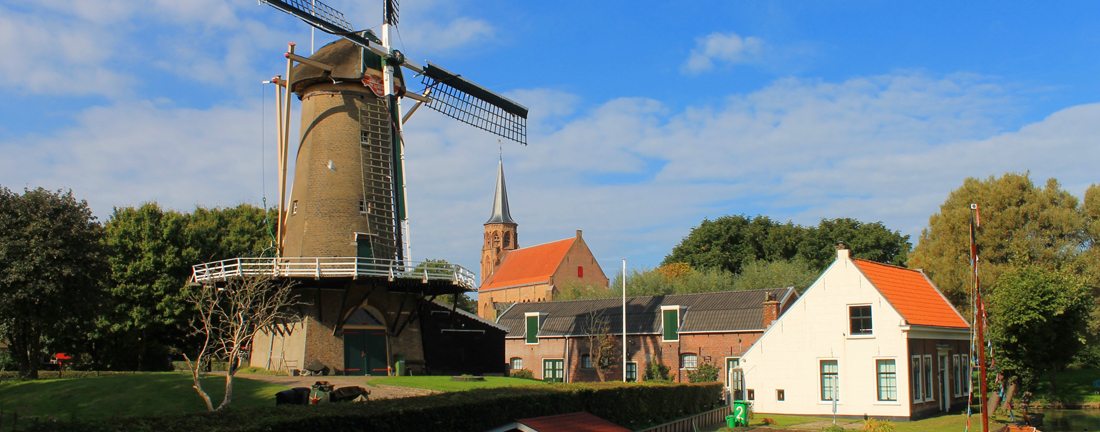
[(934, 348)]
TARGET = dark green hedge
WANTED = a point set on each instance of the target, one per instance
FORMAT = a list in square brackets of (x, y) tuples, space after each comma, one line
[(633, 406)]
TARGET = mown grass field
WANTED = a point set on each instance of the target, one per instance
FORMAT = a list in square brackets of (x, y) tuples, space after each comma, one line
[(444, 383), (947, 423), (124, 396), (1072, 386)]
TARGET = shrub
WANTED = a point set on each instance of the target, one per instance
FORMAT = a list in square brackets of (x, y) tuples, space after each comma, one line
[(522, 373), (632, 405), (872, 425), (706, 373), (833, 428), (656, 372), (260, 370)]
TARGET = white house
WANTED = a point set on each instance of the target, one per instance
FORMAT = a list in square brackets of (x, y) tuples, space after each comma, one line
[(880, 340)]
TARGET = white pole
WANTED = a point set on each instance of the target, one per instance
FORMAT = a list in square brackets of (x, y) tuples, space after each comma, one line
[(624, 320)]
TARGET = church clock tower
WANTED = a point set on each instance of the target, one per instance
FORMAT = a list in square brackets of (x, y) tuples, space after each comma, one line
[(500, 230)]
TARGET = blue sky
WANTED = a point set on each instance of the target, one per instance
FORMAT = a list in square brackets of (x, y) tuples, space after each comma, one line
[(645, 117)]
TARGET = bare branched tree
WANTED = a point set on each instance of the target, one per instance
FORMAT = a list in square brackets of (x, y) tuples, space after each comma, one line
[(228, 318), (602, 349)]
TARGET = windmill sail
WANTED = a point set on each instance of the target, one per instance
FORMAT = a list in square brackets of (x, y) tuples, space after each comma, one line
[(461, 99), (452, 95)]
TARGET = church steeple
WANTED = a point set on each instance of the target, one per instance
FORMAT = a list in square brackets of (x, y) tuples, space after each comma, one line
[(500, 229), (500, 201)]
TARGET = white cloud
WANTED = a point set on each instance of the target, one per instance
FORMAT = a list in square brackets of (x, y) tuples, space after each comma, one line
[(722, 48), (886, 148)]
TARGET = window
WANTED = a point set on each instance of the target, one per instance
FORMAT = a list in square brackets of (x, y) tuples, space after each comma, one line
[(689, 361), (553, 370), (632, 371), (294, 207), (780, 396), (586, 361), (507, 240), (532, 327), (362, 207), (860, 317), (956, 361), (928, 378), (829, 372), (915, 370), (516, 363), (887, 380), (670, 316), (751, 393), (580, 271)]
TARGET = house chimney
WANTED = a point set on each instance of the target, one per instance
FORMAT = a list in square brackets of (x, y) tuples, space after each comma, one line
[(771, 310), (841, 251), (578, 233)]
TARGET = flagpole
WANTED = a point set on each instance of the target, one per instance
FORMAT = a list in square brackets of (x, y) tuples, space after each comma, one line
[(624, 321), (975, 222)]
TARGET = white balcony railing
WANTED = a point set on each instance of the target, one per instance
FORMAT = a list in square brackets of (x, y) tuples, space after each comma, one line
[(333, 267)]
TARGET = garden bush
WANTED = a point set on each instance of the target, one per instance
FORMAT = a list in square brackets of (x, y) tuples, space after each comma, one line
[(522, 373), (706, 373), (656, 372), (632, 405)]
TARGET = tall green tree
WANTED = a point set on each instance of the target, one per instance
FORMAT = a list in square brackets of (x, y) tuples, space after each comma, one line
[(150, 265), (869, 241), (52, 268), (1038, 319), (1021, 224), (729, 242), (152, 254)]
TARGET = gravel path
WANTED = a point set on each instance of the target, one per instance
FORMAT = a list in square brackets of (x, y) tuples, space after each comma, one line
[(379, 392)]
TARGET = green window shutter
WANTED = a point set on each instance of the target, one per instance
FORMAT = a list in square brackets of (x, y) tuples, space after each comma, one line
[(532, 329), (671, 325)]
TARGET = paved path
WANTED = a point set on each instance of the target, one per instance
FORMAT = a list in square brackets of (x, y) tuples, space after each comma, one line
[(379, 392)]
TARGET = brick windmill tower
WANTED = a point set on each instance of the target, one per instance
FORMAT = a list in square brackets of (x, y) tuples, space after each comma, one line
[(343, 231)]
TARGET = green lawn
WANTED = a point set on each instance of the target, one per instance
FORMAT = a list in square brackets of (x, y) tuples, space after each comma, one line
[(444, 383), (1072, 386), (947, 423), (124, 396)]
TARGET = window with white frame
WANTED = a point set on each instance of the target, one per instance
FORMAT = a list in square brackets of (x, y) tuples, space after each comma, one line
[(586, 361), (516, 363), (689, 361), (887, 380), (860, 319), (915, 371), (362, 207), (830, 371), (929, 378)]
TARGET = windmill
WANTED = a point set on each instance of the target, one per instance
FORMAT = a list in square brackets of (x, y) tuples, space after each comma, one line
[(343, 233), (444, 91)]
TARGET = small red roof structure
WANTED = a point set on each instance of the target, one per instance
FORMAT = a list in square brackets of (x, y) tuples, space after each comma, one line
[(574, 422), (912, 294), (530, 265)]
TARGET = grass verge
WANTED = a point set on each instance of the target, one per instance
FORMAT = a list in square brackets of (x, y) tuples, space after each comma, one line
[(125, 396)]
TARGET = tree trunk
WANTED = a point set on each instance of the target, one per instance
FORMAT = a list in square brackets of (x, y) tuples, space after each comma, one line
[(1010, 394), (196, 384), (1053, 388)]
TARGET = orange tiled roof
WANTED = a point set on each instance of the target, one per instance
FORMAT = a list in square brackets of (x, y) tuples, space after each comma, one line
[(575, 422), (528, 265), (912, 295)]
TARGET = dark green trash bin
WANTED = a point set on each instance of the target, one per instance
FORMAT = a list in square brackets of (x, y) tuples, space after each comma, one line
[(739, 414)]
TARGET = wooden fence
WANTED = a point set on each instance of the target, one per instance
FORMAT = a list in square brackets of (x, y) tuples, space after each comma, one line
[(690, 424)]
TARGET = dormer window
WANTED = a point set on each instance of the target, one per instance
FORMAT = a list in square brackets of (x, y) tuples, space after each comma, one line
[(670, 322), (532, 319), (860, 318)]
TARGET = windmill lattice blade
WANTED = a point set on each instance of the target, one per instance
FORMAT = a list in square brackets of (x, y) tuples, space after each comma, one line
[(475, 105), (315, 13)]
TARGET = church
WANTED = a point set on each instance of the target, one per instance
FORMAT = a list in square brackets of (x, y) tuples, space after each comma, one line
[(510, 274)]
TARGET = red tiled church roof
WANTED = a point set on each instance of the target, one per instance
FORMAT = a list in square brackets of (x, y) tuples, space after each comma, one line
[(575, 422), (912, 295), (528, 265)]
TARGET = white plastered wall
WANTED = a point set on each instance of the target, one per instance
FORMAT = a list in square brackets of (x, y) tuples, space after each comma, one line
[(269, 350), (816, 328)]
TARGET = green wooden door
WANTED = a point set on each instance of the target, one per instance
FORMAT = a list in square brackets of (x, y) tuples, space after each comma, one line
[(553, 370), (355, 358), (375, 341)]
